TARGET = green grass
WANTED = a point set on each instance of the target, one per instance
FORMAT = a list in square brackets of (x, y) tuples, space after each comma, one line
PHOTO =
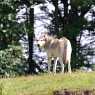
[(46, 84)]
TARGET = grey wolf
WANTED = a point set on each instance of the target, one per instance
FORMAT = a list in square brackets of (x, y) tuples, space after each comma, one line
[(59, 49)]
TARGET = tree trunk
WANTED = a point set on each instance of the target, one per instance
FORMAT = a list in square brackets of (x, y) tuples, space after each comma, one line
[(30, 41), (66, 19), (56, 17)]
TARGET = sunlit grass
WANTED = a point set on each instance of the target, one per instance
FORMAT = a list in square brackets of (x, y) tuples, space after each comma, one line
[(45, 84)]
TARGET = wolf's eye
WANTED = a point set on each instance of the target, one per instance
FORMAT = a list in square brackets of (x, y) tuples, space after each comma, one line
[(41, 40), (37, 40)]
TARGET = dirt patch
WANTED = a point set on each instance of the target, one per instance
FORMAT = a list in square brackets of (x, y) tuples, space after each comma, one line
[(75, 92)]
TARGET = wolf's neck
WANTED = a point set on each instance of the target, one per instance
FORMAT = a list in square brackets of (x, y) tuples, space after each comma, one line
[(51, 43), (47, 44)]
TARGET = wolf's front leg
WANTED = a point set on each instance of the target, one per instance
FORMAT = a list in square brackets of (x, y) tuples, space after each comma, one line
[(55, 65)]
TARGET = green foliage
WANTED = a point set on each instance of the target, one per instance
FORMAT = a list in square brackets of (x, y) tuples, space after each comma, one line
[(11, 62), (9, 31), (93, 67), (82, 3)]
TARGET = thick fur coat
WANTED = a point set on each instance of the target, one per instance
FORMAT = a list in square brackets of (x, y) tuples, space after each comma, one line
[(59, 49)]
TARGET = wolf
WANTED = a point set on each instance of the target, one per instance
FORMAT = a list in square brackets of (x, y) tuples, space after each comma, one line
[(59, 49)]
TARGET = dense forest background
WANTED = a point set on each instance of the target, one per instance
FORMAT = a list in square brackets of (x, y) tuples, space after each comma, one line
[(67, 19)]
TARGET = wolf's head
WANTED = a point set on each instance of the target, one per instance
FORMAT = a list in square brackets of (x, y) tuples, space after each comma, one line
[(42, 40)]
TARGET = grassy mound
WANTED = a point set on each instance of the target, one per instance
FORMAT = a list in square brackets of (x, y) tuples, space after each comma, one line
[(47, 83)]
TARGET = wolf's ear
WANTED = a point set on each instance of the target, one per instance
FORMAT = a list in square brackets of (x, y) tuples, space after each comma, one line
[(46, 33), (44, 37), (43, 34)]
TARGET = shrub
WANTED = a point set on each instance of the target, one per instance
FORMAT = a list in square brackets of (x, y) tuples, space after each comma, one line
[(11, 62), (93, 67)]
